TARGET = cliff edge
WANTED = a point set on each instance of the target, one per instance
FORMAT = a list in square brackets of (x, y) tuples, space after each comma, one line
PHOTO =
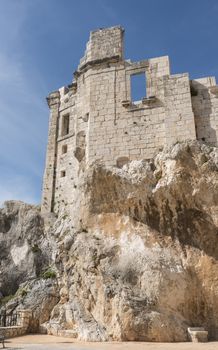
[(135, 259)]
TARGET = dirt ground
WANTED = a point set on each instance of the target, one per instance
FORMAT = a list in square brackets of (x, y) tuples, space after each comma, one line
[(48, 342)]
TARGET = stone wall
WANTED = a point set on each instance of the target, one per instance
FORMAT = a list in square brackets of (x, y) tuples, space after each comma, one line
[(103, 44), (51, 158), (106, 124), (21, 328), (205, 107)]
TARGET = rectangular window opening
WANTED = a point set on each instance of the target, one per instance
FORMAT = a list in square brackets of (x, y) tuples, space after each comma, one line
[(138, 86), (64, 149), (63, 173), (65, 124)]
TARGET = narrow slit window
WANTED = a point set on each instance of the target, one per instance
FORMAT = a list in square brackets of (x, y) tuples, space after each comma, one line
[(64, 149), (138, 86), (65, 125), (63, 173)]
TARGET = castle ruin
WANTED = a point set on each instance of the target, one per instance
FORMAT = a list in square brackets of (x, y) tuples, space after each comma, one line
[(96, 118)]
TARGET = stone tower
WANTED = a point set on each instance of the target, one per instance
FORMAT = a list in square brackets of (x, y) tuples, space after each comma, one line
[(95, 117)]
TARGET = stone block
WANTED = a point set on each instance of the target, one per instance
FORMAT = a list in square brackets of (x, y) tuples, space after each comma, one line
[(198, 334)]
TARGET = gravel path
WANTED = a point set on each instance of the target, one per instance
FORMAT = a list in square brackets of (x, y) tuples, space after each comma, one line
[(48, 342)]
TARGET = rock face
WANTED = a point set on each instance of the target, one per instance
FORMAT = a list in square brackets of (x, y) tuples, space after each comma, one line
[(21, 233), (137, 258), (25, 255)]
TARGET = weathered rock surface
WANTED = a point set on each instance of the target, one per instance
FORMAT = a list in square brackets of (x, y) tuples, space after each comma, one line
[(136, 255), (24, 255), (21, 234)]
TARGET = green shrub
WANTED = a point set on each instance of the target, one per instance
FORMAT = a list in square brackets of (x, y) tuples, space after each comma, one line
[(65, 216), (158, 175), (6, 299), (36, 249), (49, 273), (23, 292)]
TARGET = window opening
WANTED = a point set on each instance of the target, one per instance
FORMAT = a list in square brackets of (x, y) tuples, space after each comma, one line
[(64, 149), (63, 173), (138, 86), (65, 125)]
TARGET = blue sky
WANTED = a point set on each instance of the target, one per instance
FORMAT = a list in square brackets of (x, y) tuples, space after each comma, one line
[(41, 42)]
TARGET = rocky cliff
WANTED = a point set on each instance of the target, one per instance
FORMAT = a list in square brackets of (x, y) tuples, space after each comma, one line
[(135, 257)]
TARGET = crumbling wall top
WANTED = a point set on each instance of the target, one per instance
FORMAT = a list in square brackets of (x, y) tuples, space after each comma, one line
[(104, 43)]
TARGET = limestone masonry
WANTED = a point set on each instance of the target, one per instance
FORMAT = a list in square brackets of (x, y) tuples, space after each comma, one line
[(95, 117)]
